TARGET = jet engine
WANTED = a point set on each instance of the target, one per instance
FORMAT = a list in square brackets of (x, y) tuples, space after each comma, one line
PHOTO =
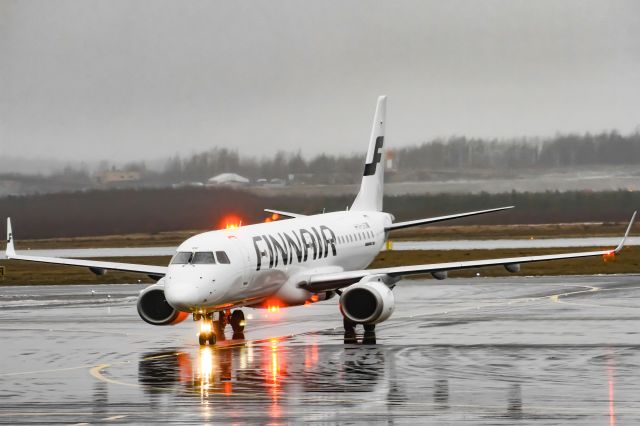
[(154, 309), (369, 301)]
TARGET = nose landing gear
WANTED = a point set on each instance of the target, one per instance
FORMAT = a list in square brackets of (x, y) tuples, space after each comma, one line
[(206, 334), (211, 331)]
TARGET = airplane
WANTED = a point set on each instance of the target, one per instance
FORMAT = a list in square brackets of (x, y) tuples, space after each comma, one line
[(300, 260)]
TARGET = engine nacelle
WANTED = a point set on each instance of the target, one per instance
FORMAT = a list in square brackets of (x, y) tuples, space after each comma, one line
[(512, 267), (369, 301), (154, 308), (440, 275)]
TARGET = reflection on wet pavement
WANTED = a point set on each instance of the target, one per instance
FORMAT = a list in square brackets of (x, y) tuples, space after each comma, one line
[(493, 351)]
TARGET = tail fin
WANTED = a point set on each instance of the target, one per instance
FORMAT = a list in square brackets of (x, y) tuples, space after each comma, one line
[(10, 251), (370, 196)]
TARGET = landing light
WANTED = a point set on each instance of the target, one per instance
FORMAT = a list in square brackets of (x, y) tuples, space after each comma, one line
[(205, 327), (609, 256)]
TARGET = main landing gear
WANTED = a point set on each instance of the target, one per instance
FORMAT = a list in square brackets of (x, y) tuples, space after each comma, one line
[(213, 330), (369, 337)]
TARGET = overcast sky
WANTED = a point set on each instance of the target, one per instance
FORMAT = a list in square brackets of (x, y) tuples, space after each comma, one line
[(130, 80)]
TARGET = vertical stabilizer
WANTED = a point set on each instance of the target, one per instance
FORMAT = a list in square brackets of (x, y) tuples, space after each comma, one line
[(10, 251), (371, 189)]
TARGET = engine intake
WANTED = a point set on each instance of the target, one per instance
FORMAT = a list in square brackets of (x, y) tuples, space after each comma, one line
[(367, 302), (154, 308)]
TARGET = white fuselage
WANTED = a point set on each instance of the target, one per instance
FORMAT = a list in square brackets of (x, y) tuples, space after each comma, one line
[(268, 261)]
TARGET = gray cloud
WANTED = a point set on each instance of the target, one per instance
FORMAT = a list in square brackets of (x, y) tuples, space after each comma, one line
[(144, 79)]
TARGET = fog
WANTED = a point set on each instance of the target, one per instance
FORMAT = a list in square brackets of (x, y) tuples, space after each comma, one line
[(122, 80)]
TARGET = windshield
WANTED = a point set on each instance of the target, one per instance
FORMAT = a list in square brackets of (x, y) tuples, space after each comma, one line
[(222, 257), (203, 258), (181, 258)]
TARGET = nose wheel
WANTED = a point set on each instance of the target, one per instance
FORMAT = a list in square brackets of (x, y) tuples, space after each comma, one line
[(211, 331), (207, 334), (207, 338)]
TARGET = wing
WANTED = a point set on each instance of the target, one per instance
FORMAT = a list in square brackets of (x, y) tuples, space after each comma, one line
[(283, 213), (97, 267), (400, 225), (333, 281)]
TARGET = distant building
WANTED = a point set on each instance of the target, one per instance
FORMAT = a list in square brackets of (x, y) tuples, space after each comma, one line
[(231, 179), (108, 177), (187, 185)]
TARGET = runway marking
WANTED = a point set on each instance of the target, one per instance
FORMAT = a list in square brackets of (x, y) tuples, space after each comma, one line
[(115, 417), (53, 370), (96, 372)]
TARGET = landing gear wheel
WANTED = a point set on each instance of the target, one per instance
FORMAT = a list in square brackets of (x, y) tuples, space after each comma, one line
[(212, 339), (349, 326), (369, 337), (349, 330), (237, 321), (202, 338)]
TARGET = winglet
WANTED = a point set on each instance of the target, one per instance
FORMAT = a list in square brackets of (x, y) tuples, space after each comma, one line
[(626, 234), (11, 251)]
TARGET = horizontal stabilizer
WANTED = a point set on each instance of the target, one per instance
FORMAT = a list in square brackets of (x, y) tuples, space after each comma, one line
[(282, 213), (418, 222)]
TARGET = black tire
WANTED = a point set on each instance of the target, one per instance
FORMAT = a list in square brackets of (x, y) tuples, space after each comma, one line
[(212, 339), (369, 328), (202, 338), (237, 321), (349, 326)]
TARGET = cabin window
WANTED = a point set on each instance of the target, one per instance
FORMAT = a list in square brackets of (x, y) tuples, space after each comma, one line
[(203, 258), (181, 258), (222, 257)]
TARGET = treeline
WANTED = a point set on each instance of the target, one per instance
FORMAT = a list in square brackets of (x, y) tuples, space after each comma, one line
[(561, 151), (204, 165), (572, 150), (460, 155), (156, 210)]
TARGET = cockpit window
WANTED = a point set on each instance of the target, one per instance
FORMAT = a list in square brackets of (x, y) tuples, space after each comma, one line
[(181, 258), (222, 257), (203, 258)]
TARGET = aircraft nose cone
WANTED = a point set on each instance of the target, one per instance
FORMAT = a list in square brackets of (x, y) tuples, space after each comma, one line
[(183, 296)]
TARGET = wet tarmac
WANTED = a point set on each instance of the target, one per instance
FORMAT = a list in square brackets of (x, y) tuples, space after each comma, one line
[(561, 350)]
